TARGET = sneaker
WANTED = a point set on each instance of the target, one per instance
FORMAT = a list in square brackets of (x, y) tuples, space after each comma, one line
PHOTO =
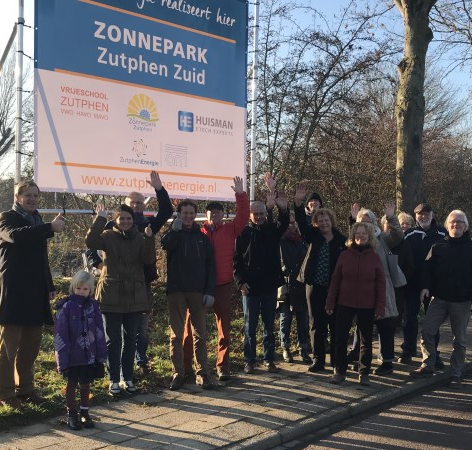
[(114, 389), (177, 382), (405, 359), (73, 421), (203, 381), (439, 364), (249, 368), (364, 380), (455, 383), (13, 403), (422, 372), (271, 367), (32, 397), (384, 369), (128, 386), (337, 378), (223, 374), (317, 366), (85, 420), (305, 356), (287, 355)]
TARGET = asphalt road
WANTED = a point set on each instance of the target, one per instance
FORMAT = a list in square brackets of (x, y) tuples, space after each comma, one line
[(436, 420)]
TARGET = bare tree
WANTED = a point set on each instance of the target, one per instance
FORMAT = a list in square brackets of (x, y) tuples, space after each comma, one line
[(410, 103), (8, 112), (452, 20)]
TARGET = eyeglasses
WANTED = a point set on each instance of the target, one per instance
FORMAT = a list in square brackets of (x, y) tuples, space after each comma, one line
[(457, 222)]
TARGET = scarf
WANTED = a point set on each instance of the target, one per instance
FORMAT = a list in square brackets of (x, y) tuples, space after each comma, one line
[(34, 219)]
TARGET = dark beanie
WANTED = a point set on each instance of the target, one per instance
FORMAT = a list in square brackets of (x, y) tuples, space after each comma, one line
[(315, 196)]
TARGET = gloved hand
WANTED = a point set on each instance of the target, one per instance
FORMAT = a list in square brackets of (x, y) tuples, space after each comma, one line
[(208, 300), (65, 372), (177, 223)]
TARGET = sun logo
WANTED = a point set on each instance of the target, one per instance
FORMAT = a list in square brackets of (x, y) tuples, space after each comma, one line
[(142, 107)]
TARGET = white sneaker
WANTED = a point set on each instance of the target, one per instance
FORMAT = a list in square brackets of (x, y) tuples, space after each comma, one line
[(114, 389), (128, 386)]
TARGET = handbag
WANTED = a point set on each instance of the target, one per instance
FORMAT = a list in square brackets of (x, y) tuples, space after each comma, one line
[(396, 274)]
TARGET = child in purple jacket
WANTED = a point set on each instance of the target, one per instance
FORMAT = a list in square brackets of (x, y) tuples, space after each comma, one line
[(80, 347)]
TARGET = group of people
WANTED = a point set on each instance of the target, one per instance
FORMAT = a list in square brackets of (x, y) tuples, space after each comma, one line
[(298, 263)]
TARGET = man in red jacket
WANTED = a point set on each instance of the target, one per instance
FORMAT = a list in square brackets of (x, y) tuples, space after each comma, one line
[(222, 236)]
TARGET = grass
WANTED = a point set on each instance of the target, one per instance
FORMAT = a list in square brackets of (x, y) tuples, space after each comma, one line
[(52, 385)]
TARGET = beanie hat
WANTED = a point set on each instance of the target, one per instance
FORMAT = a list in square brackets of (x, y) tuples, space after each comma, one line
[(315, 196)]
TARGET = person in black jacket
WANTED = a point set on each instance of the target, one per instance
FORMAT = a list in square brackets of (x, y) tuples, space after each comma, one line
[(258, 274), (326, 244), (191, 282), (447, 278), (26, 288), (421, 239), (291, 296), (135, 200)]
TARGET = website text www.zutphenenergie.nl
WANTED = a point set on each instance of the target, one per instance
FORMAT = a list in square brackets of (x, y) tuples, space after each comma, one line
[(137, 183)]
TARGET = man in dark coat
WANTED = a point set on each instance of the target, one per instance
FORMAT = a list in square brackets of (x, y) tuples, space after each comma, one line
[(421, 239), (25, 290), (258, 274)]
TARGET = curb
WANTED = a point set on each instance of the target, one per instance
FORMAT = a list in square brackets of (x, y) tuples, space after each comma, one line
[(306, 429)]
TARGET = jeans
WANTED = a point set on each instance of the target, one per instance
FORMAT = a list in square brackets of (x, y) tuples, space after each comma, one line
[(265, 306), (286, 317), (320, 322), (438, 311), (365, 321), (120, 332)]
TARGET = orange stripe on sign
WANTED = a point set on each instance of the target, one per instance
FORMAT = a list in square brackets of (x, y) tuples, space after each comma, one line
[(128, 169), (164, 22), (142, 86)]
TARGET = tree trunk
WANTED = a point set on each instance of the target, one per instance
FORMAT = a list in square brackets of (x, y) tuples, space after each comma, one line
[(410, 102)]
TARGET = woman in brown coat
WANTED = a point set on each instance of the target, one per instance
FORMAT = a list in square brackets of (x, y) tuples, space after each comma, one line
[(121, 289)]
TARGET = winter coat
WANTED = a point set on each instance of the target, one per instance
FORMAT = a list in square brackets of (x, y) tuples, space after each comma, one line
[(121, 287), (358, 281), (79, 337), (142, 221), (190, 261), (222, 239), (421, 242), (25, 276), (315, 239), (256, 259), (447, 271)]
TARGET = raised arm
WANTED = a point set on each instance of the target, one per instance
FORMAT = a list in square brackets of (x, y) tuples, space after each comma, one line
[(163, 199)]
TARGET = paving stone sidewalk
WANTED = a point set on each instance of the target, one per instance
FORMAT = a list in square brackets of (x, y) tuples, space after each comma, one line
[(258, 411)]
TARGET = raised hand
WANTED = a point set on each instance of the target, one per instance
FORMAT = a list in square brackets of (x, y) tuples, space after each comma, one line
[(270, 181), (58, 223), (238, 187), (270, 203), (155, 181), (390, 208), (148, 231), (355, 208), (100, 210), (282, 201), (300, 194)]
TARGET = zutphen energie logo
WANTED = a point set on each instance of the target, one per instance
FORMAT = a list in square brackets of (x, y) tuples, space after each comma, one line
[(142, 113)]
